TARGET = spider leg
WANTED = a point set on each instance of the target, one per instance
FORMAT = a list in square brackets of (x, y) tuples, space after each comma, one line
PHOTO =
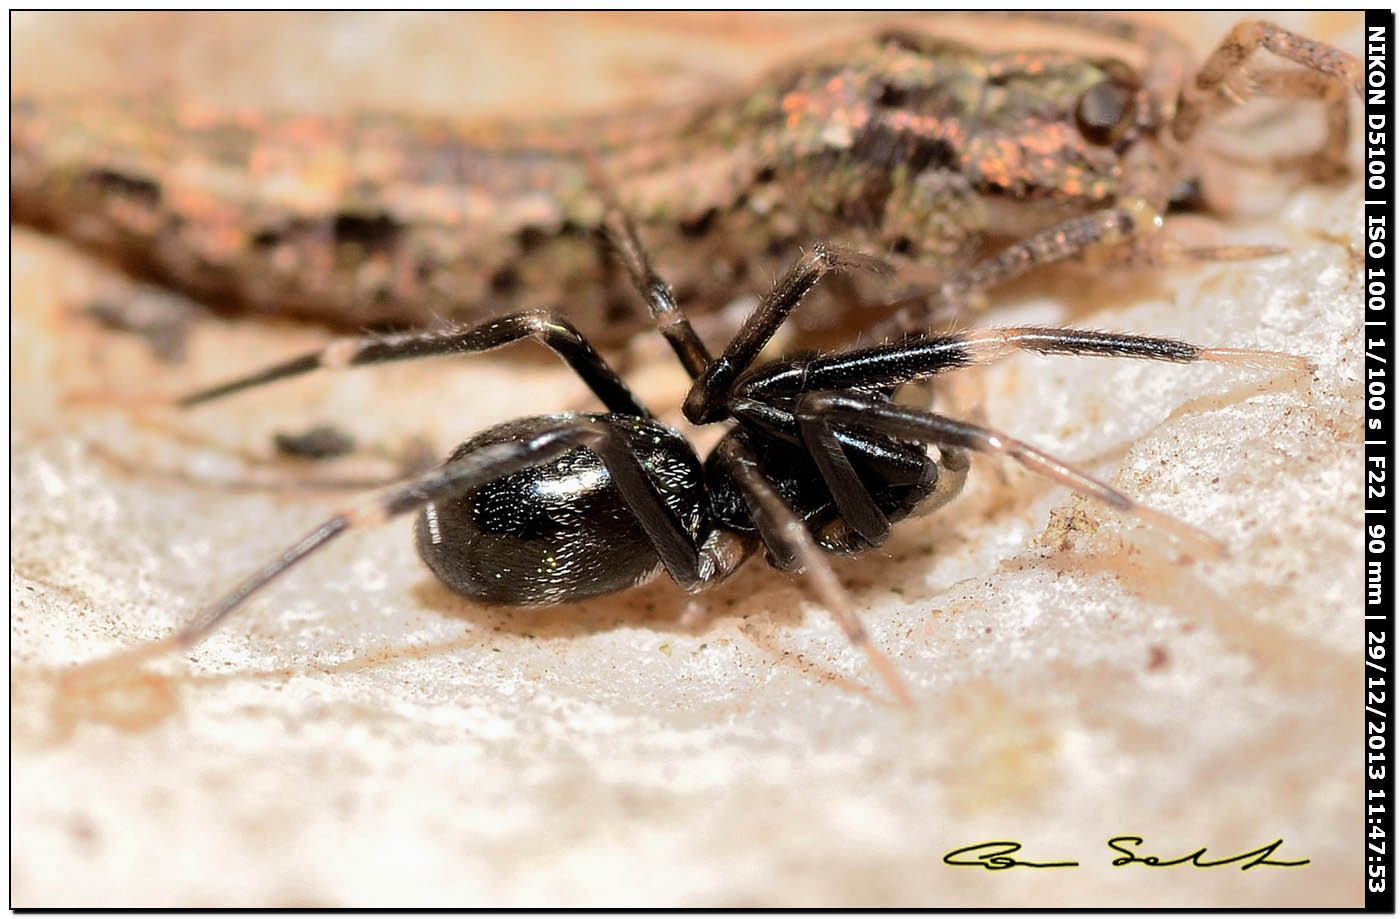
[(679, 555), (830, 447), (714, 376), (672, 323), (547, 327), (705, 401), (792, 546), (853, 499), (919, 358), (847, 408)]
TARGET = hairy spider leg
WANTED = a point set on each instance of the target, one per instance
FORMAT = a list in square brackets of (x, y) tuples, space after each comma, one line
[(545, 326), (549, 328), (820, 384), (918, 358), (703, 402), (673, 324), (713, 377)]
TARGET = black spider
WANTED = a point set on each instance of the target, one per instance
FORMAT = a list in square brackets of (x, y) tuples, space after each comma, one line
[(557, 508)]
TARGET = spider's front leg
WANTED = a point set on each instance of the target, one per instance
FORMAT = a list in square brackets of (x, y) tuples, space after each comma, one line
[(714, 377), (549, 328), (828, 395)]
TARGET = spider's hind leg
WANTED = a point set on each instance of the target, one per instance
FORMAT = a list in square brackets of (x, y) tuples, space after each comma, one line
[(847, 408)]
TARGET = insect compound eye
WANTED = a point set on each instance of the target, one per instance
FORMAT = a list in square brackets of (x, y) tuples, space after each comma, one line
[(1104, 112)]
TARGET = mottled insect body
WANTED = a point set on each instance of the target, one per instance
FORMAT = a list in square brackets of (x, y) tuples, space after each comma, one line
[(921, 150)]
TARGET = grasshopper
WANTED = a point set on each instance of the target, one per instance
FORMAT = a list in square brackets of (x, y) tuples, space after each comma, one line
[(964, 168)]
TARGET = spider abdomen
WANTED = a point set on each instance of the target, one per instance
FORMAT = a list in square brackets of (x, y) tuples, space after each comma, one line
[(560, 531)]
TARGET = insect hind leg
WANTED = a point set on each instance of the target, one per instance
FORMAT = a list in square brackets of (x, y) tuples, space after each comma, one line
[(1200, 97)]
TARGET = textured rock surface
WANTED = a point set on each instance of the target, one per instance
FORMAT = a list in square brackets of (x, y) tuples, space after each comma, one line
[(363, 737)]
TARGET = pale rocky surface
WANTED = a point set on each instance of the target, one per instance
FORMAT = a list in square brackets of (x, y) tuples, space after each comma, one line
[(363, 737)]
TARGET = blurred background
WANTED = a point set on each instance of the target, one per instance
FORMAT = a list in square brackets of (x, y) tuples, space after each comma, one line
[(363, 737)]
